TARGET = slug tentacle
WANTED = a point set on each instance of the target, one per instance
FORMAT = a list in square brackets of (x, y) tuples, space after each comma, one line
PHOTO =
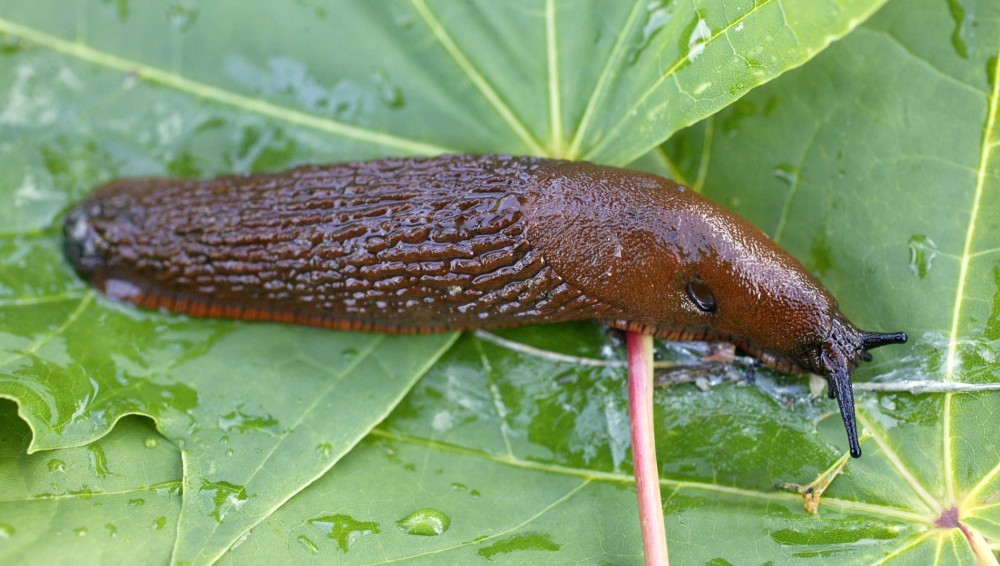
[(875, 339), (461, 242), (843, 349), (841, 382)]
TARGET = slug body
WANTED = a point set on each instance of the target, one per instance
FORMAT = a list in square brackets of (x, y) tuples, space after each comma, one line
[(461, 242)]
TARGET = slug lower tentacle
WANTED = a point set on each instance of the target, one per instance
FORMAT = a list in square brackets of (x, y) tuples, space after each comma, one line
[(461, 242)]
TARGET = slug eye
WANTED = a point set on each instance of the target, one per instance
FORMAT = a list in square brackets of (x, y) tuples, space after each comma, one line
[(701, 296)]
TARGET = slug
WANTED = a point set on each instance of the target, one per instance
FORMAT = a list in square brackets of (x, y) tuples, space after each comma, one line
[(462, 242)]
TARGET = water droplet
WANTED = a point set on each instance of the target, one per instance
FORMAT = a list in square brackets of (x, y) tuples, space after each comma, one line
[(527, 541), (324, 449), (241, 540), (658, 15), (9, 45), (167, 488), (229, 452), (786, 173), (389, 94), (698, 39), (226, 497), (443, 421), (957, 41), (98, 460), (923, 250), (308, 544), (425, 522), (159, 523), (182, 14), (80, 532), (244, 422), (152, 442), (6, 531), (112, 530), (56, 465), (344, 529), (850, 530)]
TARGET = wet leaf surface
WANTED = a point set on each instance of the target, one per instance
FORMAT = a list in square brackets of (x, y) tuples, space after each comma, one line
[(875, 163)]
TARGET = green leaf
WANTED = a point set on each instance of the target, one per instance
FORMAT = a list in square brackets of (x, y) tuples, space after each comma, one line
[(115, 500), (850, 162), (878, 164)]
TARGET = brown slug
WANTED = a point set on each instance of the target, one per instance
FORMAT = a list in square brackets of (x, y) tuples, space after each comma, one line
[(461, 242)]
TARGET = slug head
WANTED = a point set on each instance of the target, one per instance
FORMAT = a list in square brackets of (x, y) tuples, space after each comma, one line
[(666, 261)]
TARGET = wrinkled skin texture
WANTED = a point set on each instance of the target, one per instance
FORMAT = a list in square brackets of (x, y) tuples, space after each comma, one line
[(465, 242)]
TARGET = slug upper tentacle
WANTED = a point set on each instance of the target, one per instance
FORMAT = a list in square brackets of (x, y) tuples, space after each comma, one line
[(459, 242)]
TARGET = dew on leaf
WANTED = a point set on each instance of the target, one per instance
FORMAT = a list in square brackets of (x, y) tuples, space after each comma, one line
[(658, 15), (527, 541), (344, 529), (6, 531), (786, 173), (389, 94), (80, 531), (243, 422), (159, 523), (958, 14), (9, 45), (57, 465), (308, 544), (325, 449), (152, 442), (923, 250), (225, 496), (112, 530), (443, 421), (166, 488), (842, 531), (425, 522), (84, 492), (182, 14), (98, 460), (698, 39), (137, 502), (241, 540)]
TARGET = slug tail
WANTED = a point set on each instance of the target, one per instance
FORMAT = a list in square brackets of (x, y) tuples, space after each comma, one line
[(841, 385)]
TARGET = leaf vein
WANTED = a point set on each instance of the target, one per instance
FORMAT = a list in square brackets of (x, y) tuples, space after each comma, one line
[(602, 81), (669, 74), (476, 78), (216, 94)]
